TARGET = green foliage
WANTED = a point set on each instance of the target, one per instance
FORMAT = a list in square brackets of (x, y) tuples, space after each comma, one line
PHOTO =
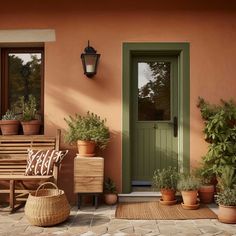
[(165, 178), (24, 77), (188, 183), (220, 132), (9, 115), (227, 178), (87, 128), (109, 186), (29, 108), (205, 174), (227, 197)]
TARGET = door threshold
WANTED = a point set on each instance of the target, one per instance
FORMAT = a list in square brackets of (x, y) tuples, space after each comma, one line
[(140, 194)]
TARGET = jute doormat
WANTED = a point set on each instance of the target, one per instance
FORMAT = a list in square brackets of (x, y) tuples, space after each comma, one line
[(156, 211)]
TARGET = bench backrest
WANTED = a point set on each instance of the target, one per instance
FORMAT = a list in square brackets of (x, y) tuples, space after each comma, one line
[(13, 150)]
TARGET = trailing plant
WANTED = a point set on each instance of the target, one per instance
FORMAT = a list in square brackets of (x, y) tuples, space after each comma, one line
[(9, 115), (29, 108), (87, 128), (227, 197), (227, 178), (109, 186), (205, 174), (165, 178), (188, 183), (220, 133)]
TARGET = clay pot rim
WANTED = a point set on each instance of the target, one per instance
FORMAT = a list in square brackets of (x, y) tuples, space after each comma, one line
[(31, 122), (9, 122), (189, 191), (85, 141), (167, 190)]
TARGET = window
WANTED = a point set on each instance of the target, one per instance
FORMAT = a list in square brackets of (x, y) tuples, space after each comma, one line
[(21, 75)]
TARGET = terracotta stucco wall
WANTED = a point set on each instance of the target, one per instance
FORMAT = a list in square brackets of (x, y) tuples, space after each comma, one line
[(210, 29)]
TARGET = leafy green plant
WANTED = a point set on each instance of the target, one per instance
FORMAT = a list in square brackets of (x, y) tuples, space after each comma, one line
[(109, 186), (29, 108), (205, 174), (227, 178), (165, 178), (227, 197), (188, 183), (87, 128), (220, 133), (9, 115)]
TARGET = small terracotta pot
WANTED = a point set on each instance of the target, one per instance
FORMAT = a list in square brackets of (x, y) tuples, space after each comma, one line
[(110, 198), (227, 214), (86, 148), (189, 197), (31, 127), (9, 127), (168, 194), (206, 193)]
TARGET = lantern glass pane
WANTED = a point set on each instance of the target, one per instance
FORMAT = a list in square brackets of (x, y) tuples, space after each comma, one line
[(90, 62)]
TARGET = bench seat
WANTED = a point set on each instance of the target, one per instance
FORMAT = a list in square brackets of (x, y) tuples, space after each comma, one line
[(13, 160)]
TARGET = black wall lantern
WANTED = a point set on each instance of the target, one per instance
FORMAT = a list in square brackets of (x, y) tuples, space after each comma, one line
[(90, 61)]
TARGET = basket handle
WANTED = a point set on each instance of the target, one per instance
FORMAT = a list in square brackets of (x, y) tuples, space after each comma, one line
[(46, 183)]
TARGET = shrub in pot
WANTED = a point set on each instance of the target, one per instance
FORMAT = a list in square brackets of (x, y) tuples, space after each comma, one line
[(166, 180), (207, 188), (227, 206), (227, 178), (88, 131), (189, 185), (30, 123), (9, 123), (110, 193), (220, 133)]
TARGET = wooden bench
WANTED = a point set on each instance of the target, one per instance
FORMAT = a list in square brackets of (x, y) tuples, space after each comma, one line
[(13, 157)]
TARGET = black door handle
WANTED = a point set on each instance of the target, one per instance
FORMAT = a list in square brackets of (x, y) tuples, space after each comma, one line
[(175, 126)]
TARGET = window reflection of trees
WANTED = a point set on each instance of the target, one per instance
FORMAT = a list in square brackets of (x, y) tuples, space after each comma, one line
[(24, 78), (154, 96)]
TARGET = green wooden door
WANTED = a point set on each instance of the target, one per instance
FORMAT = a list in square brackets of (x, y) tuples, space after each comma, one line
[(154, 120)]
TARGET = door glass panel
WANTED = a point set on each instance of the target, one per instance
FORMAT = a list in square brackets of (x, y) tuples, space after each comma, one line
[(154, 91), (24, 76)]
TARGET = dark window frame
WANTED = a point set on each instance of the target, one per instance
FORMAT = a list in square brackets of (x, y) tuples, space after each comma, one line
[(4, 103)]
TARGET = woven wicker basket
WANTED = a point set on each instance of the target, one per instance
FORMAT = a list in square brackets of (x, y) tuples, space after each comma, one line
[(46, 207)]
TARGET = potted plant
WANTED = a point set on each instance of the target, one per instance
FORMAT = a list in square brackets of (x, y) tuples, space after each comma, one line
[(207, 188), (220, 133), (227, 206), (227, 178), (189, 185), (9, 123), (88, 131), (30, 124), (166, 180), (110, 193)]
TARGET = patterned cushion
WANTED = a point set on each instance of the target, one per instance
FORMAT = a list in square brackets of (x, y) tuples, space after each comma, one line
[(41, 162)]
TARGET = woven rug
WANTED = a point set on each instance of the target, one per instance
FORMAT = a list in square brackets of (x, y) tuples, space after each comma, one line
[(156, 211)]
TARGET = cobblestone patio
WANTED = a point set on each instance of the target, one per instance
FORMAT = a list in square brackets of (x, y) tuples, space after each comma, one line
[(89, 222)]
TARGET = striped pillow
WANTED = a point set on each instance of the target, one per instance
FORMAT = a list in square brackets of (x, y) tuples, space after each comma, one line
[(41, 162)]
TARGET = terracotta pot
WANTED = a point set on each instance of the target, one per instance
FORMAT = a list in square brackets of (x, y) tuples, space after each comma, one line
[(168, 194), (31, 127), (110, 198), (227, 214), (86, 148), (189, 197), (206, 193), (9, 127)]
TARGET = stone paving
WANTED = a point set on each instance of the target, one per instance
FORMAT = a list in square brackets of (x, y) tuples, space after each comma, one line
[(90, 222)]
